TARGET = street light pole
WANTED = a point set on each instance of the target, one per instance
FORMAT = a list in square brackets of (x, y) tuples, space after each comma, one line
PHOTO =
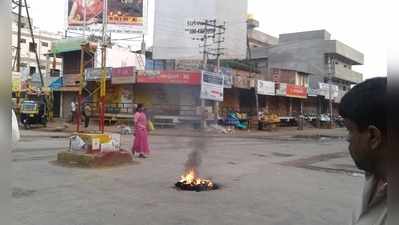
[(331, 63)]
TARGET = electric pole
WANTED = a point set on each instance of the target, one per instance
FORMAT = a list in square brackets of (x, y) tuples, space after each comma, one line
[(18, 54), (331, 71)]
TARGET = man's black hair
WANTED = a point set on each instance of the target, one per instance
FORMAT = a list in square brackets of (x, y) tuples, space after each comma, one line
[(365, 104)]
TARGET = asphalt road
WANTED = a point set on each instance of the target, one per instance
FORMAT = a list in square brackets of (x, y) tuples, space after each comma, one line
[(296, 181)]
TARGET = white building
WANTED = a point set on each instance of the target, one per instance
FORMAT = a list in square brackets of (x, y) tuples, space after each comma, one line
[(43, 41)]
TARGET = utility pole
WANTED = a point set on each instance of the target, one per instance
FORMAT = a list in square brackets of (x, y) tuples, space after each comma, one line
[(19, 37), (210, 30), (331, 64), (218, 31), (103, 64), (204, 67), (219, 53), (34, 45)]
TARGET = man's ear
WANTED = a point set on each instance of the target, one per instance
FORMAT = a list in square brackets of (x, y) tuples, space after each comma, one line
[(374, 137)]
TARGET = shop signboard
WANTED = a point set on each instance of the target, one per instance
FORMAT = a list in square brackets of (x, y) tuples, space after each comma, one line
[(16, 81), (296, 91), (211, 86), (265, 87), (95, 74), (71, 80), (169, 77), (313, 92), (325, 90), (123, 75), (227, 76), (282, 90), (241, 79)]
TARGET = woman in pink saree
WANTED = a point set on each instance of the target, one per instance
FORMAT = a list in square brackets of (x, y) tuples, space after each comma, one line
[(140, 145)]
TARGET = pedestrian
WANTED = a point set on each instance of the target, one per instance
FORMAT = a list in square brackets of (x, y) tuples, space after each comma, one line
[(364, 111), (140, 144), (73, 111), (87, 114), (16, 136)]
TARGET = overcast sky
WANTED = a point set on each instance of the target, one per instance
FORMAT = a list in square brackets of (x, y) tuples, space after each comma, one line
[(365, 25)]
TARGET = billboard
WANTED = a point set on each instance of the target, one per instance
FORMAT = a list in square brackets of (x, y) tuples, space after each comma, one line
[(123, 16), (178, 28), (211, 86)]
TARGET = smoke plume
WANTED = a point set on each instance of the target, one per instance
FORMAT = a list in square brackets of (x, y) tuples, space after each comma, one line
[(194, 159)]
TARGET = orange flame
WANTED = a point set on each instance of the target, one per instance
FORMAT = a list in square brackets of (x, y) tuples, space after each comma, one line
[(191, 178)]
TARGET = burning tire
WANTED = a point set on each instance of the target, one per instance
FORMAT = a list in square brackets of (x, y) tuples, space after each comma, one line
[(190, 182)]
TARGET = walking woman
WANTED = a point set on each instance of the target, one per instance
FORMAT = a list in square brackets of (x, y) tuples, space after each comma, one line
[(140, 145)]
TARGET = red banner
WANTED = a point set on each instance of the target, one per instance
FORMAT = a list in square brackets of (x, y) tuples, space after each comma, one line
[(296, 91), (170, 77)]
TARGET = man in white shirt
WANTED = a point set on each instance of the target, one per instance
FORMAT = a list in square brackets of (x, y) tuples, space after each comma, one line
[(15, 129), (364, 111), (73, 111)]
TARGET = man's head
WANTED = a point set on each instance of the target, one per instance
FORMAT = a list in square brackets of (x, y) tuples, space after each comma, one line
[(364, 111)]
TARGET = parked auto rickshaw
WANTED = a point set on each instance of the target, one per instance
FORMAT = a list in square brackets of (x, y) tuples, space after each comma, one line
[(33, 112)]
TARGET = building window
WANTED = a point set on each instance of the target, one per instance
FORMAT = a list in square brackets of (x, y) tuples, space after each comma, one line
[(54, 73), (32, 47), (23, 65), (44, 44), (42, 67), (32, 70), (344, 88), (23, 40)]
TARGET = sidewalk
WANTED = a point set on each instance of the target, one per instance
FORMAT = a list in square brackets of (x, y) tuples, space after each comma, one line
[(60, 129)]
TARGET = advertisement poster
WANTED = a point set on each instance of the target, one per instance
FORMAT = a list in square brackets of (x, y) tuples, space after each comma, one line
[(124, 16), (265, 88), (212, 86)]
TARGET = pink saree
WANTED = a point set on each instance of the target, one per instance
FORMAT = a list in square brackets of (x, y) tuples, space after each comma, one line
[(140, 145)]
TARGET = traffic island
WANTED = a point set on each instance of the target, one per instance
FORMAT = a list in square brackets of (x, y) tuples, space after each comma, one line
[(94, 160)]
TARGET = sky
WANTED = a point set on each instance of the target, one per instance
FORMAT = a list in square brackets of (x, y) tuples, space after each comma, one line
[(365, 25)]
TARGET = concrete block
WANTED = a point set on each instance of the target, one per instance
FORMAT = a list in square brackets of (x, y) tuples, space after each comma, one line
[(100, 159)]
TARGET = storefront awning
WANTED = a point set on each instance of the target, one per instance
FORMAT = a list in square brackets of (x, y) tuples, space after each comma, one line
[(69, 45)]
